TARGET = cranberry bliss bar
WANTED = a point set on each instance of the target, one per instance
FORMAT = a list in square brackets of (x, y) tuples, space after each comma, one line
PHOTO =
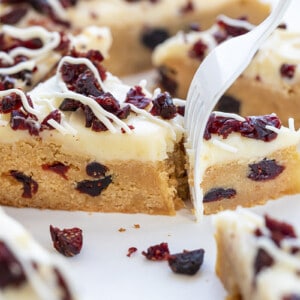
[(257, 256)]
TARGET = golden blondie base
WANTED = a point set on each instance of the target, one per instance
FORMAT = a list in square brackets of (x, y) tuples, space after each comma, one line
[(136, 187), (249, 193)]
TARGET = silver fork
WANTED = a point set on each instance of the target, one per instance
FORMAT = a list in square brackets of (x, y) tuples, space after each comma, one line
[(214, 76)]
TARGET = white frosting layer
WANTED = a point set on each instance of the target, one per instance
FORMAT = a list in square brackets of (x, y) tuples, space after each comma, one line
[(41, 282), (275, 282)]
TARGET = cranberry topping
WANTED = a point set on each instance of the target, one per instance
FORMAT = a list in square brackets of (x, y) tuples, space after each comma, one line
[(66, 294), (67, 241), (232, 30), (288, 70), (30, 186), (151, 37), (266, 169), (131, 250), (166, 80), (13, 16), (262, 260), (157, 252), (198, 50), (53, 115), (96, 170), (22, 121), (6, 82), (252, 127), (279, 230), (94, 187), (58, 168), (11, 271), (163, 106), (9, 103), (187, 262), (136, 97), (217, 194)]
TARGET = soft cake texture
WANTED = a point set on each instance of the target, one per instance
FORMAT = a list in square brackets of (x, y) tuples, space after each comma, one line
[(255, 258), (133, 22)]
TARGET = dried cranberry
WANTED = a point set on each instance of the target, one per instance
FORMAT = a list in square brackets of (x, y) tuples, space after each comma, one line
[(288, 70), (217, 194), (9, 103), (262, 260), (67, 241), (228, 104), (232, 30), (131, 250), (188, 7), (96, 170), (58, 168), (86, 84), (166, 80), (6, 82), (70, 105), (198, 50), (22, 121), (94, 187), (53, 115), (66, 294), (30, 186), (181, 110), (163, 106), (136, 97), (187, 262), (266, 169), (279, 230), (157, 252), (11, 270), (151, 37), (13, 16)]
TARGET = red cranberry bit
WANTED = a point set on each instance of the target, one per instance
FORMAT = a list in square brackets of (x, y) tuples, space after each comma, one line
[(232, 30), (54, 115), (291, 297), (94, 187), (131, 250), (151, 37), (96, 170), (288, 70), (252, 127), (6, 82), (266, 169), (86, 84), (187, 8), (187, 262), (66, 294), (30, 186), (58, 168), (228, 104), (130, 126), (279, 230), (166, 80), (13, 16), (198, 50), (262, 260), (217, 194), (67, 241), (11, 271), (136, 97), (181, 110), (157, 252), (163, 106), (21, 121), (9, 103)]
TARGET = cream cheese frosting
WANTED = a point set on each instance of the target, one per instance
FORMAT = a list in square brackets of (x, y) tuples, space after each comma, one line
[(39, 266)]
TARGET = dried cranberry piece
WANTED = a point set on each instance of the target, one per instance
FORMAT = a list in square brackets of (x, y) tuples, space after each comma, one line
[(291, 297), (163, 106), (229, 104), (136, 97), (58, 168), (70, 105), (66, 294), (86, 84), (216, 194), (232, 30), (6, 82), (21, 121), (151, 37), (131, 250), (30, 186), (11, 270), (181, 110), (187, 8), (279, 230), (198, 50), (187, 262), (14, 16), (288, 70), (266, 169), (96, 170), (9, 103), (157, 252), (166, 81), (262, 260), (67, 241), (94, 187), (53, 115)]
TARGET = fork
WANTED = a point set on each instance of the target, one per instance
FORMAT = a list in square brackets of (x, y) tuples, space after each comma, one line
[(214, 76)]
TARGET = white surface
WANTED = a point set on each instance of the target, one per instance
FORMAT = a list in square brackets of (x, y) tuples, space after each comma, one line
[(103, 271)]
